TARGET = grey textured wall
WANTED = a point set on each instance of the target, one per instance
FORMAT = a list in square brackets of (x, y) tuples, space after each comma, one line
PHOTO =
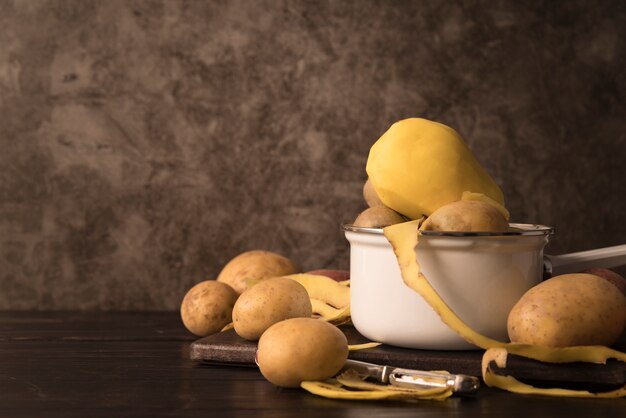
[(145, 143)]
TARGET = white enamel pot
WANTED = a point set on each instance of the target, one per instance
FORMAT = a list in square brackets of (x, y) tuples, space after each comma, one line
[(479, 275)]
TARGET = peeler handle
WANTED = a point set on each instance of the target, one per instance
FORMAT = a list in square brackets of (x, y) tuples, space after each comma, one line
[(575, 262)]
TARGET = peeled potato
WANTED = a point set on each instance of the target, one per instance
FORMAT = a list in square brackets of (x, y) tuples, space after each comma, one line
[(268, 302), (253, 266), (467, 216), (568, 310), (419, 165), (301, 349), (207, 307)]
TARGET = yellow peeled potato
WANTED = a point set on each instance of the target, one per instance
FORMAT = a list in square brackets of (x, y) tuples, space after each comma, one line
[(568, 310), (419, 165), (268, 302), (207, 307), (252, 266), (301, 349)]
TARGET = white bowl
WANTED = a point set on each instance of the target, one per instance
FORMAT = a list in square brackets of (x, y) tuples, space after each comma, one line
[(479, 275)]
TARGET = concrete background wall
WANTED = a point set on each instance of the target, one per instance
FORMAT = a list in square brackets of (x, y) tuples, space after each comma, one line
[(145, 143)]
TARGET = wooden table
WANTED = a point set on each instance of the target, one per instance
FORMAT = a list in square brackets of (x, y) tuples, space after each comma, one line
[(137, 364)]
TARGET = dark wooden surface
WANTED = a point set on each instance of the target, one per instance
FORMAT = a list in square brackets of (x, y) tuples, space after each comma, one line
[(138, 364), (228, 348)]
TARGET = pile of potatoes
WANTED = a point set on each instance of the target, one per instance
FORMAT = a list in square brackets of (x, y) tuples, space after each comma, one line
[(377, 215), (207, 307), (291, 314), (472, 212), (587, 308)]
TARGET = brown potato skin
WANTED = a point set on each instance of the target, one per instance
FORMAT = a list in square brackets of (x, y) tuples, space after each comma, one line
[(378, 217), (301, 349), (370, 196), (255, 265), (268, 302), (568, 310), (466, 216), (613, 277), (207, 307)]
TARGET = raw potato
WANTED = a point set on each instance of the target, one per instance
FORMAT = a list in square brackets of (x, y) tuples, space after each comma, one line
[(378, 217), (370, 196), (301, 349), (466, 216), (568, 310), (613, 277), (467, 195), (419, 165), (254, 266), (207, 307), (268, 302)]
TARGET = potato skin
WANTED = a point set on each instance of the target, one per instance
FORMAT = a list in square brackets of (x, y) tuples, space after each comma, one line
[(268, 302), (300, 349), (613, 277), (255, 265), (378, 217), (568, 310), (207, 307), (370, 196), (467, 216)]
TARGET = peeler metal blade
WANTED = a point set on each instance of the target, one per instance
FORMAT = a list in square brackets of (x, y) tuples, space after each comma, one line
[(459, 384)]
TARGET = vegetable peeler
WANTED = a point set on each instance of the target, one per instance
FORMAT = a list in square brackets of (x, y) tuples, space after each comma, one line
[(416, 379)]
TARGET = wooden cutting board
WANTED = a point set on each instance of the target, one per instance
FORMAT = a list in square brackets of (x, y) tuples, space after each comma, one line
[(228, 348)]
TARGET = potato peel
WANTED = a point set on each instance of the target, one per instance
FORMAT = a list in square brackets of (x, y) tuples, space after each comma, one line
[(334, 390), (323, 288), (323, 309), (328, 313), (498, 356), (351, 379), (404, 238), (364, 346), (343, 316), (349, 385)]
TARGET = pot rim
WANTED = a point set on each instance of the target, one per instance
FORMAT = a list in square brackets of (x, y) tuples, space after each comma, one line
[(517, 229)]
